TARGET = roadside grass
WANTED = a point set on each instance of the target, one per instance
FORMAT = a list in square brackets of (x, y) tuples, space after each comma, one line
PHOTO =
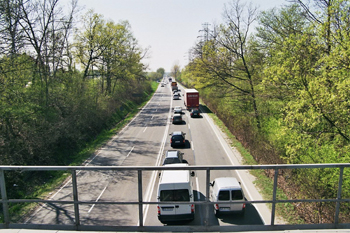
[(19, 211), (286, 211)]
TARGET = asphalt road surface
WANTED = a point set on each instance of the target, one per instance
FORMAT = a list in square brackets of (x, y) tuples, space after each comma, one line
[(142, 143)]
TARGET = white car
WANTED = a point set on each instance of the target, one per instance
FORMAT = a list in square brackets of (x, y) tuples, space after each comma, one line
[(178, 109), (176, 96)]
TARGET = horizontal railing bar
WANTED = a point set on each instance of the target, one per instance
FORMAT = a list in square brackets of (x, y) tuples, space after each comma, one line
[(169, 203), (160, 168)]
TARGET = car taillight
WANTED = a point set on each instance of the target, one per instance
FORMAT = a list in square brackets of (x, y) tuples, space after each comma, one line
[(243, 205), (158, 210), (192, 208), (216, 206)]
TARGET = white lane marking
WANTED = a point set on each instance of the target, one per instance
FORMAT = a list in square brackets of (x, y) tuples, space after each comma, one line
[(145, 129), (130, 151), (152, 117), (98, 198), (198, 198), (192, 145), (151, 184), (189, 127)]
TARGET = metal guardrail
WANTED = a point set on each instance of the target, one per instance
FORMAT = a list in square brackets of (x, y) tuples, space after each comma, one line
[(78, 226)]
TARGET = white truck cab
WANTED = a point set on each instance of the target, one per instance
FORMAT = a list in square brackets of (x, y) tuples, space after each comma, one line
[(227, 189), (175, 186)]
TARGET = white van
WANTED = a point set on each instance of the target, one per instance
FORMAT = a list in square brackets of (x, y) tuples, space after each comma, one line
[(175, 186), (227, 189)]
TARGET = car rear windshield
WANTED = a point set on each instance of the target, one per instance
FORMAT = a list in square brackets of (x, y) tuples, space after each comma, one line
[(175, 195), (171, 160), (177, 138)]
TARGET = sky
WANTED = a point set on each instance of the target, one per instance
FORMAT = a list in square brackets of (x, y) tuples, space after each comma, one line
[(168, 28)]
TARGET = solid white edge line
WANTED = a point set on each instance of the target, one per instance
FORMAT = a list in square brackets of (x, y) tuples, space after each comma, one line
[(198, 197), (245, 187)]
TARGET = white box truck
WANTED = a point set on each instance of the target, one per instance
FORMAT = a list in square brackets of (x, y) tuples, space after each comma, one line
[(175, 186)]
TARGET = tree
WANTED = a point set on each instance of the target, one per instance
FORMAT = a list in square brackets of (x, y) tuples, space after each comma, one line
[(230, 56), (87, 43), (175, 70), (161, 71), (11, 38)]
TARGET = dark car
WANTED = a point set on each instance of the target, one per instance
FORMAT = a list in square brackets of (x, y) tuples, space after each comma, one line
[(173, 156), (177, 139), (195, 113), (177, 118)]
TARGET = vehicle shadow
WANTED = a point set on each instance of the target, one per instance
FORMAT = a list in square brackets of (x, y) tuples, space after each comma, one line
[(204, 109), (250, 216)]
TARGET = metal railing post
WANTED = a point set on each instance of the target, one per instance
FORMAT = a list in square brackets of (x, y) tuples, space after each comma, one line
[(140, 197), (337, 206), (207, 179), (5, 205), (75, 199), (273, 210)]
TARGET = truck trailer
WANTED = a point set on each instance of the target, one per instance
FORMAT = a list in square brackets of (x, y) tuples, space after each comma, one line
[(174, 86), (191, 99)]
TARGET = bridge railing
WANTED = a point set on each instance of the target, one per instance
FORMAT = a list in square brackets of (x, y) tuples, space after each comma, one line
[(141, 203)]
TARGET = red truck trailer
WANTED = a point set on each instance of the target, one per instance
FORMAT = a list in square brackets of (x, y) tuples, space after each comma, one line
[(191, 99)]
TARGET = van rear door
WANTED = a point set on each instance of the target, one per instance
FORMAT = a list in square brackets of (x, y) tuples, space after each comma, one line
[(182, 195), (176, 195), (236, 195), (166, 209)]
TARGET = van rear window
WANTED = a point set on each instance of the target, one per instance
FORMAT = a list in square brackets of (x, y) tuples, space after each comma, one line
[(174, 195), (237, 195), (224, 196)]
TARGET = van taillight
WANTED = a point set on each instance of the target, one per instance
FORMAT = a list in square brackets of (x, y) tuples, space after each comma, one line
[(216, 206), (192, 208), (243, 205), (158, 210)]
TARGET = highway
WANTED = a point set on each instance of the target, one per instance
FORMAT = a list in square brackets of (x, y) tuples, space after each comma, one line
[(142, 143)]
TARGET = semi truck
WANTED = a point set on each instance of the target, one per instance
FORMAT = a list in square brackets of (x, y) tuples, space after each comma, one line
[(173, 85), (191, 99)]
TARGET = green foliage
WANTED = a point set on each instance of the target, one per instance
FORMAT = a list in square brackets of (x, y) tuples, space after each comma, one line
[(161, 71), (50, 111), (292, 76)]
